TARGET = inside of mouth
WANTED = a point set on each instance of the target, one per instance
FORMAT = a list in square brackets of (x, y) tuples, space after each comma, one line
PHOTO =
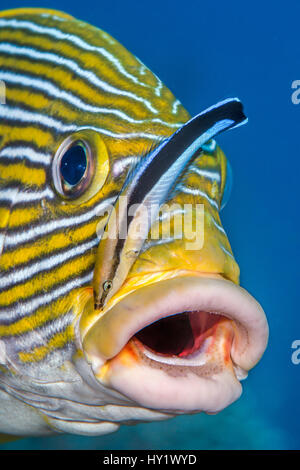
[(180, 335)]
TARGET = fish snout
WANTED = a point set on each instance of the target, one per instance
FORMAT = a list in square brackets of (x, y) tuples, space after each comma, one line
[(181, 344)]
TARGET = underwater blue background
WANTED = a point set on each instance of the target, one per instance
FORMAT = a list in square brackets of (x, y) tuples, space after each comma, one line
[(204, 52)]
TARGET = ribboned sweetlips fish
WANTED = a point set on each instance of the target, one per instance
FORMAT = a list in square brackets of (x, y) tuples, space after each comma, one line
[(111, 314)]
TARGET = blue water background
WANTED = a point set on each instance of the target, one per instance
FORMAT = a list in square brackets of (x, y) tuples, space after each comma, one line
[(204, 52)]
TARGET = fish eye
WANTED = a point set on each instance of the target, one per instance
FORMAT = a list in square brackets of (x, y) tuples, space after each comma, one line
[(73, 167), (107, 285), (73, 164)]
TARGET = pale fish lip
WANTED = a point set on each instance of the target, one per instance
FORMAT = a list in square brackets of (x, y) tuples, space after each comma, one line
[(178, 384)]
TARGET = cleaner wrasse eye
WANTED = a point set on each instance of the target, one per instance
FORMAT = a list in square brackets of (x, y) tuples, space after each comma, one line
[(97, 330)]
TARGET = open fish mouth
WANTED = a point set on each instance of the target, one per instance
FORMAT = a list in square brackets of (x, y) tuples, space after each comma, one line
[(179, 345)]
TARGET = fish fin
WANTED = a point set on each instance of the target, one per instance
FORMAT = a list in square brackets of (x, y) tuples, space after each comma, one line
[(34, 11), (228, 185)]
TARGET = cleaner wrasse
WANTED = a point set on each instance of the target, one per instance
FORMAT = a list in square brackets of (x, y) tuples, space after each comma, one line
[(119, 292)]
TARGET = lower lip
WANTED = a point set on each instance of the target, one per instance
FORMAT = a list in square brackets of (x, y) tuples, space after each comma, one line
[(203, 379)]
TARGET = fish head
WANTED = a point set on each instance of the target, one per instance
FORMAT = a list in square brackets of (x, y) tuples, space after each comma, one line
[(178, 333)]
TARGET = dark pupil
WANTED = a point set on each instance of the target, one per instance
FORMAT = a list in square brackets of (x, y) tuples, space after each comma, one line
[(73, 164)]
